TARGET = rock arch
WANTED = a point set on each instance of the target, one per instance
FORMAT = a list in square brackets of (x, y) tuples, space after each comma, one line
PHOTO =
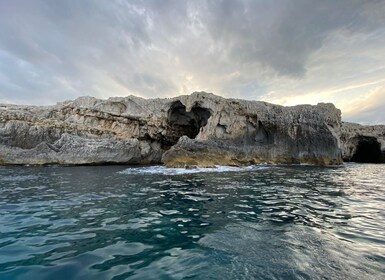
[(186, 123)]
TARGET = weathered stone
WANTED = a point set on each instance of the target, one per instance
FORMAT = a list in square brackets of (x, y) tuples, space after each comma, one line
[(363, 143), (133, 130), (241, 132)]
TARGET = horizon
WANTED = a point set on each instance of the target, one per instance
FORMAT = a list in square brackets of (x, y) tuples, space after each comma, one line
[(284, 53)]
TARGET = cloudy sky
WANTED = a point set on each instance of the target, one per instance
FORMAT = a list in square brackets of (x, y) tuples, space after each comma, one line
[(284, 51)]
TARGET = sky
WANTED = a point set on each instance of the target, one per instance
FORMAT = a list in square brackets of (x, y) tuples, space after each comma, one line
[(286, 52)]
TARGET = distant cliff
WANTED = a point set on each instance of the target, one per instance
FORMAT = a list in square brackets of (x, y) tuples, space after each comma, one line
[(132, 130)]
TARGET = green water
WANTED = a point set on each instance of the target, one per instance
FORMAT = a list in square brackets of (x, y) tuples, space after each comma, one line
[(261, 222)]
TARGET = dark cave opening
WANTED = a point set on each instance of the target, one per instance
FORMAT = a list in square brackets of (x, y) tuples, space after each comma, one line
[(186, 123), (368, 150)]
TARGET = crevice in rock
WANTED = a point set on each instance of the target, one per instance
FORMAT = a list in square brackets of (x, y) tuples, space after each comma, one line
[(185, 123), (368, 150), (262, 136), (256, 133)]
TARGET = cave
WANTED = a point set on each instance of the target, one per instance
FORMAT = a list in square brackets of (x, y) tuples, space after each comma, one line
[(368, 150), (186, 123)]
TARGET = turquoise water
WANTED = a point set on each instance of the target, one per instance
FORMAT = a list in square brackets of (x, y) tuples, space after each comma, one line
[(261, 222)]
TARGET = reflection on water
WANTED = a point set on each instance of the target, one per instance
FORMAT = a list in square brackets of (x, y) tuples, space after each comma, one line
[(261, 222)]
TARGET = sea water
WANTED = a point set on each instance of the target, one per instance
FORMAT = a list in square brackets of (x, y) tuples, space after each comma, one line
[(257, 222)]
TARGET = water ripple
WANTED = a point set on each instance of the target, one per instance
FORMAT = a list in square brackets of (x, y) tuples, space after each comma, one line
[(274, 222)]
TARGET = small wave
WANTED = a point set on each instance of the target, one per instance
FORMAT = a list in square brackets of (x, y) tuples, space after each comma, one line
[(160, 169), (20, 178)]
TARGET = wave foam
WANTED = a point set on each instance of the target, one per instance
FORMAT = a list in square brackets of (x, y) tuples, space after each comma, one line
[(162, 170)]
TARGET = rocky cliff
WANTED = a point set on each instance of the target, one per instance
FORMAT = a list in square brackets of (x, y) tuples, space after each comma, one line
[(198, 129), (363, 143)]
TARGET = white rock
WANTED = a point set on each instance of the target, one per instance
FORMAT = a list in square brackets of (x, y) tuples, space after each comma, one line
[(133, 130)]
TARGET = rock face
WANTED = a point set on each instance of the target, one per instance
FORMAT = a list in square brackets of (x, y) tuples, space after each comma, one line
[(363, 143), (198, 129)]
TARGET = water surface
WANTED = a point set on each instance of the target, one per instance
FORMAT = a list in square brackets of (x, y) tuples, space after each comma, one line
[(259, 222)]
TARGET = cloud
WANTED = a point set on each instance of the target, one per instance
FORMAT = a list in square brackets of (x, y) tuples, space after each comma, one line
[(285, 51), (280, 35), (368, 108)]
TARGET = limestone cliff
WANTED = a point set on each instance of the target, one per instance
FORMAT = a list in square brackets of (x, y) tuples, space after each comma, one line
[(133, 130), (363, 143)]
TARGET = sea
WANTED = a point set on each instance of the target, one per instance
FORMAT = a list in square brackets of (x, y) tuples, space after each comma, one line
[(153, 222)]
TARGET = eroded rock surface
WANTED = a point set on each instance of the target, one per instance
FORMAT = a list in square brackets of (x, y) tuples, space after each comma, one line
[(133, 130), (363, 143)]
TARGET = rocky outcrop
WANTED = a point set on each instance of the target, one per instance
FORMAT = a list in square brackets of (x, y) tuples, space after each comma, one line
[(244, 132), (363, 143), (198, 129)]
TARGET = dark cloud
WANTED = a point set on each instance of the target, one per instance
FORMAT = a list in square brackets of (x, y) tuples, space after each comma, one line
[(55, 50), (280, 35)]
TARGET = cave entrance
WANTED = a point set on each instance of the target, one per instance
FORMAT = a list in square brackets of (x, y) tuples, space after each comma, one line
[(368, 150), (186, 123)]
